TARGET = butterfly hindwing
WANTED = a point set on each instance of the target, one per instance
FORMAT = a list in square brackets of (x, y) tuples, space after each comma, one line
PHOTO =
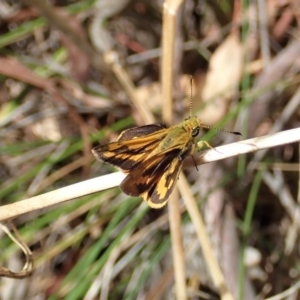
[(158, 194), (154, 178)]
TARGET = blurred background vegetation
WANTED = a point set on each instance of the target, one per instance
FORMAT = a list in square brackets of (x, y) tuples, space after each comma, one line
[(59, 98)]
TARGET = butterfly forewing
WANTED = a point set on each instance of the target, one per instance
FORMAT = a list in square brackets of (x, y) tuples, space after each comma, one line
[(123, 156), (140, 131), (131, 147)]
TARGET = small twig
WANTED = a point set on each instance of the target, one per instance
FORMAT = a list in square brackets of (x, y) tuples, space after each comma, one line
[(61, 195), (284, 117), (292, 290), (246, 146), (264, 33), (170, 16), (206, 246), (112, 59)]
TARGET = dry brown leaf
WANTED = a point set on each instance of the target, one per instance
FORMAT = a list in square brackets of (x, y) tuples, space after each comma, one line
[(225, 70), (151, 95)]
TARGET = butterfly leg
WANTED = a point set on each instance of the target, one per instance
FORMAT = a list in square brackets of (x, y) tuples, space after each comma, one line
[(201, 144)]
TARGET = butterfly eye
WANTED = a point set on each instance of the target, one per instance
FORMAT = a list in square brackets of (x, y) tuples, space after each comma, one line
[(195, 131)]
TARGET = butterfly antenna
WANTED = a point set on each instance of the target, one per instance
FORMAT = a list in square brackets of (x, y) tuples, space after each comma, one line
[(215, 128), (191, 103)]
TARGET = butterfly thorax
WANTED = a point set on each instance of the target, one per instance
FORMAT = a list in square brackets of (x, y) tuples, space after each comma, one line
[(181, 136)]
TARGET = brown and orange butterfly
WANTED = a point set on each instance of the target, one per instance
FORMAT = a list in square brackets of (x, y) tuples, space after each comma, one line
[(152, 156)]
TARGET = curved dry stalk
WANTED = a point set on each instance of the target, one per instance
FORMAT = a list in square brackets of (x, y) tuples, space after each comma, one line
[(28, 266)]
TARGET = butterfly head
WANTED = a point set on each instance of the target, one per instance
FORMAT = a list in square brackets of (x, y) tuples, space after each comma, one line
[(193, 125)]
